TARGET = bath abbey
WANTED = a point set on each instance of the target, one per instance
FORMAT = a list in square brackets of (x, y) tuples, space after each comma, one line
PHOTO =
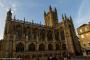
[(33, 41)]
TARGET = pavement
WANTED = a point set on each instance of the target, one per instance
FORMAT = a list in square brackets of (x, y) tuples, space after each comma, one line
[(80, 58)]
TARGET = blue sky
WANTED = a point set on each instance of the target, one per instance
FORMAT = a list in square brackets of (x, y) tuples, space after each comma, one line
[(33, 10)]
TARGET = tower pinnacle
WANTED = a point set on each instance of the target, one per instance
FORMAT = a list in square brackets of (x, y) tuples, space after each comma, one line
[(50, 8), (65, 16), (9, 15), (70, 18), (55, 10), (44, 13), (62, 17)]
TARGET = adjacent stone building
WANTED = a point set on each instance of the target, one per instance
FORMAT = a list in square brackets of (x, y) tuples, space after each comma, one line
[(34, 41), (84, 36)]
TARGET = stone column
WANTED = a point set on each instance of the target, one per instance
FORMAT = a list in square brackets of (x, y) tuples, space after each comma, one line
[(46, 40), (54, 40), (26, 43)]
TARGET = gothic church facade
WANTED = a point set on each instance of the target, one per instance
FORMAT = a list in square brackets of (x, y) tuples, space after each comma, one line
[(36, 41)]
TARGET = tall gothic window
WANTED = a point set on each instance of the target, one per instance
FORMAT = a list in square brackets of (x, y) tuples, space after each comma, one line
[(49, 35), (57, 35), (72, 31), (34, 32), (20, 47), (28, 32), (42, 34), (62, 35), (50, 47), (31, 47), (18, 31), (41, 47), (29, 35)]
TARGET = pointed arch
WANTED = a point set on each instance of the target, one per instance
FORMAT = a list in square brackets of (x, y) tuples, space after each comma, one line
[(31, 47), (56, 35), (41, 47), (50, 47), (49, 35), (42, 34), (62, 35), (20, 47), (18, 30), (34, 32)]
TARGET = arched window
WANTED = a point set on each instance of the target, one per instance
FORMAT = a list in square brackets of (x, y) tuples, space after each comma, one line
[(57, 35), (28, 32), (41, 47), (31, 47), (57, 47), (62, 35), (18, 31), (34, 32), (50, 47), (20, 47), (42, 34), (29, 35), (49, 35)]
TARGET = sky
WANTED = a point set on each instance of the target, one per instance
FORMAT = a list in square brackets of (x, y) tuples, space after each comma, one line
[(34, 9)]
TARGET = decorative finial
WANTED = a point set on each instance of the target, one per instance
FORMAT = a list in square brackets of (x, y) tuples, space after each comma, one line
[(50, 8), (65, 16), (44, 13), (32, 22), (24, 19), (70, 18), (10, 9), (9, 15), (40, 22), (14, 17), (62, 17), (55, 9)]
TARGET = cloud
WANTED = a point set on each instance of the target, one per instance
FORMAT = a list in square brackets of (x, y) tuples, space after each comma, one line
[(4, 7), (7, 6), (83, 16), (1, 3), (13, 6)]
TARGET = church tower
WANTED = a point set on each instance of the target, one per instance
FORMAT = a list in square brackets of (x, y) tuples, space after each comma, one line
[(9, 15), (51, 18), (7, 34), (8, 20)]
